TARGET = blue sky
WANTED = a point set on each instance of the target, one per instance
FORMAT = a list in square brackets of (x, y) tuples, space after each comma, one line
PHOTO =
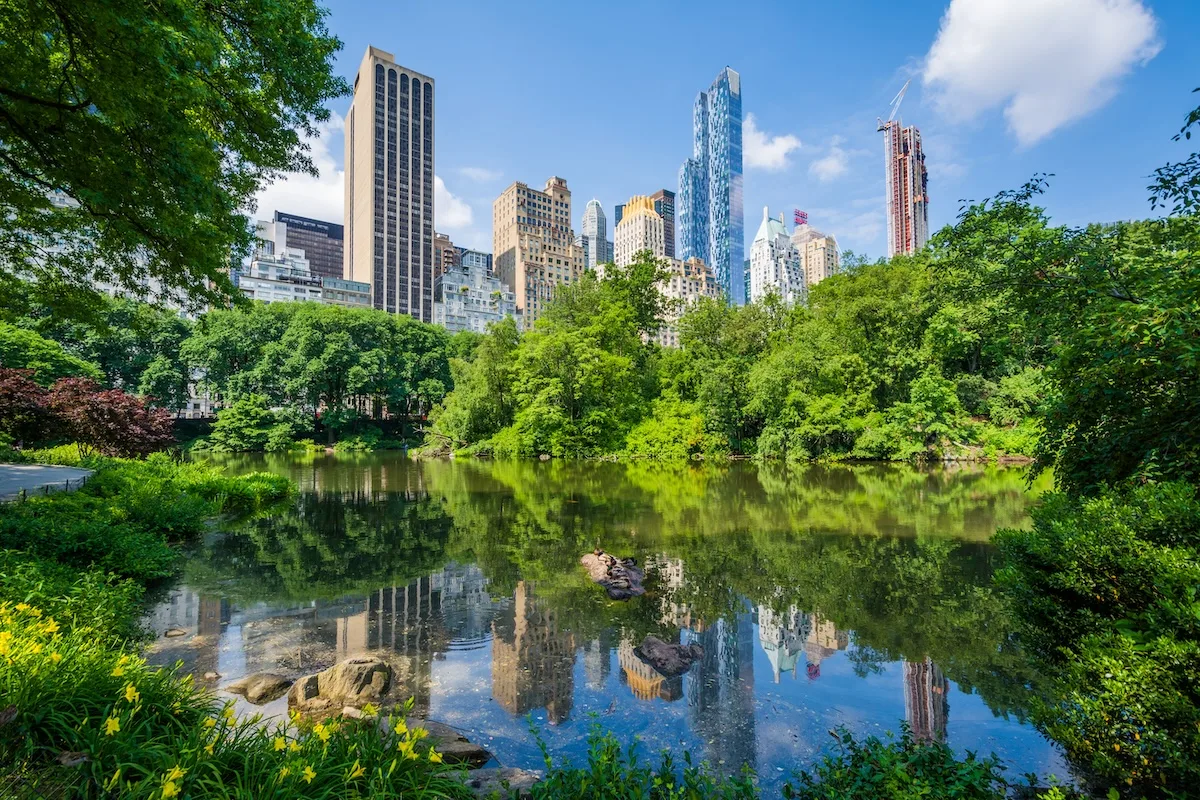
[(601, 94)]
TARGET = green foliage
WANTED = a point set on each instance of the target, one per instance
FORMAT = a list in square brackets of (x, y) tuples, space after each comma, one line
[(23, 349), (675, 431), (1107, 589), (136, 135), (616, 773), (248, 424), (898, 770)]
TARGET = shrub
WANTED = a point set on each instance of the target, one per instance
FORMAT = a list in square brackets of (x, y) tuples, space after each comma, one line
[(108, 422), (898, 770), (24, 416), (675, 431), (1107, 588), (614, 773), (244, 426), (973, 392), (1017, 397)]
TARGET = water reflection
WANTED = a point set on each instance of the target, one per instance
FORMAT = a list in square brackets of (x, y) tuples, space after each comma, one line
[(855, 596)]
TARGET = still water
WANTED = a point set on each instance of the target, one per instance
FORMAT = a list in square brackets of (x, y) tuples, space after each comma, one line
[(823, 596)]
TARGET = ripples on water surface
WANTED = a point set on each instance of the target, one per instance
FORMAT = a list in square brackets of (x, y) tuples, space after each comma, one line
[(823, 596)]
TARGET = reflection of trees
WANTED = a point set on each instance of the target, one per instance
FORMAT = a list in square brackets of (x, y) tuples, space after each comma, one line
[(895, 555), (322, 546)]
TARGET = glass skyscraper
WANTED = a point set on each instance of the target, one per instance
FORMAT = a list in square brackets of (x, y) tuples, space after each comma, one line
[(594, 235), (709, 206)]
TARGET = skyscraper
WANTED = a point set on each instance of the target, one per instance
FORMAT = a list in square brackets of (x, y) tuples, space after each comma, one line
[(664, 204), (775, 263), (641, 228), (907, 188), (594, 235), (320, 241), (389, 185), (709, 207), (533, 245), (818, 252)]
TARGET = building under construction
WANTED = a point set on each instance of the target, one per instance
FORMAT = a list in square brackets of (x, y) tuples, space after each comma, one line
[(907, 184)]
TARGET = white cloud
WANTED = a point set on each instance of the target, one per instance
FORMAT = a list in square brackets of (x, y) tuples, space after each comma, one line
[(481, 174), (449, 212), (763, 151), (1047, 62), (833, 164), (320, 196)]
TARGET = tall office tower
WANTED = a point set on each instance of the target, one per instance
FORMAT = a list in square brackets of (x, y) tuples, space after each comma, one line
[(533, 245), (594, 235), (907, 188), (818, 252), (709, 210), (320, 241), (618, 213), (641, 228), (775, 263), (664, 204), (389, 185)]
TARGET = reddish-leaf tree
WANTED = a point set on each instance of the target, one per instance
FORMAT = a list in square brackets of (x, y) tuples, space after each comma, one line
[(24, 416), (109, 422)]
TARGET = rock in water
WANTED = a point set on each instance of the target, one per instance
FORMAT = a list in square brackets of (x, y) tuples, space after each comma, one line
[(500, 781), (669, 660), (261, 687), (350, 683), (621, 579)]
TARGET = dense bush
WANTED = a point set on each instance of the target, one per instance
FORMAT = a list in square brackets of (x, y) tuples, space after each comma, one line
[(898, 770), (1108, 591)]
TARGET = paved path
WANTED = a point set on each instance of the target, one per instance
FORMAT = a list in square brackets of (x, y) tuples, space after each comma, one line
[(30, 478)]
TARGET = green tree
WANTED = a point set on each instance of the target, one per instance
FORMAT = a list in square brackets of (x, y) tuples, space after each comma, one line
[(136, 134), (243, 426), (22, 349)]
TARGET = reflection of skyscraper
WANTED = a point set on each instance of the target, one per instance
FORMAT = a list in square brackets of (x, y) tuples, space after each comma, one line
[(643, 680), (597, 659), (532, 661), (784, 636), (202, 619), (670, 581), (720, 691), (926, 699)]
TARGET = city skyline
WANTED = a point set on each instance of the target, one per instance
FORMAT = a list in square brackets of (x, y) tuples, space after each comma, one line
[(810, 142)]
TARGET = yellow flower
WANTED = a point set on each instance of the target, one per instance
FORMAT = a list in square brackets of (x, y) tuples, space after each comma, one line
[(280, 743), (419, 733), (401, 728), (435, 756), (370, 710), (50, 626), (112, 726), (356, 771), (208, 748), (309, 774), (210, 722), (55, 657), (35, 648), (322, 732), (283, 773), (294, 747), (131, 694), (112, 781), (22, 606), (228, 712), (37, 612), (118, 671), (175, 773), (170, 790)]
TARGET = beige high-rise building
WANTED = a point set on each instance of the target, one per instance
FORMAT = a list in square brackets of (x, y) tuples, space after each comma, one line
[(389, 185), (818, 252), (686, 282), (640, 228), (533, 244)]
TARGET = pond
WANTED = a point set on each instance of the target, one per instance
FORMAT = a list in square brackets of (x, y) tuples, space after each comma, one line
[(822, 596)]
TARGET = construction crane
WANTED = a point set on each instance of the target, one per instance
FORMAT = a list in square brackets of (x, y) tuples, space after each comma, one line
[(896, 101)]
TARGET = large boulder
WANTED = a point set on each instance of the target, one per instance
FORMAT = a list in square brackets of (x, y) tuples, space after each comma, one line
[(669, 660), (620, 577), (353, 682), (454, 747), (261, 687)]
